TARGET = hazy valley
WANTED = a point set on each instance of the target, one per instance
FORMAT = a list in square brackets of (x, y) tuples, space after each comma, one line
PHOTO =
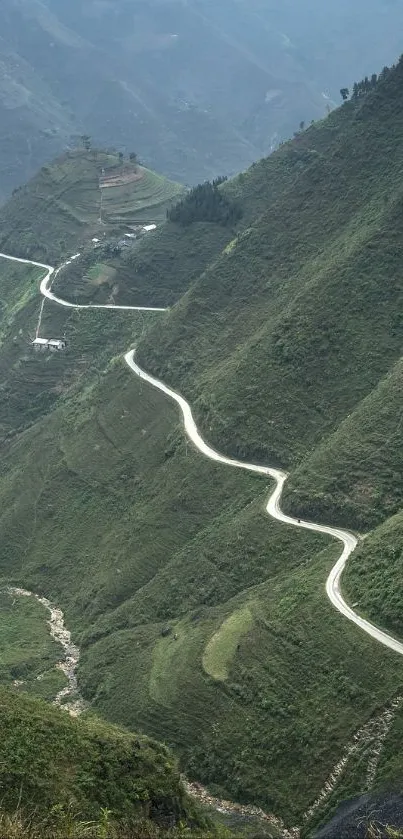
[(196, 88)]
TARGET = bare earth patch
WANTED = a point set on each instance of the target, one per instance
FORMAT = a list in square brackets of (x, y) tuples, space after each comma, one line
[(121, 180)]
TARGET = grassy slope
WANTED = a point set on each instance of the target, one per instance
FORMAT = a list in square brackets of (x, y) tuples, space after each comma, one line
[(143, 201), (39, 478), (134, 509), (115, 488), (374, 575), (354, 476), (28, 654), (106, 479), (134, 533), (78, 483), (68, 768), (270, 351), (311, 350)]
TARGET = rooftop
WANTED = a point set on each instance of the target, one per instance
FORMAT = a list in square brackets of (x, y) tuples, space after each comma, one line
[(49, 342)]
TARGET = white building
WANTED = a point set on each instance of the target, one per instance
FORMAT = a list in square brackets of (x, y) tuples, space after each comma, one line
[(56, 344), (51, 344)]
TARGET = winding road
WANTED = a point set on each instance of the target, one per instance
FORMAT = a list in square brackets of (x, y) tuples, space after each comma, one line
[(273, 508)]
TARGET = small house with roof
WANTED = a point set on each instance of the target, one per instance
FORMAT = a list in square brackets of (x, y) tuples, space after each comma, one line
[(49, 344)]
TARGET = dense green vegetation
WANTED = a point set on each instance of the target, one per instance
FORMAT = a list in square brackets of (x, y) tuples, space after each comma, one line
[(291, 366), (61, 774), (374, 575), (288, 346), (116, 488), (205, 202), (354, 476), (201, 621)]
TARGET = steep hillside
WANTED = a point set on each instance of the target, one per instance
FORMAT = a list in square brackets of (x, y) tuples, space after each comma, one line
[(302, 312), (288, 346), (202, 621), (143, 76), (105, 509), (353, 476), (62, 777)]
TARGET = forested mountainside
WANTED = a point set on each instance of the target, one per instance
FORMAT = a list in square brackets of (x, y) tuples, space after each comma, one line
[(142, 76), (201, 621)]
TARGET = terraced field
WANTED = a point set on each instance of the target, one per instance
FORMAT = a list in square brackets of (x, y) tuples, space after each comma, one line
[(62, 204), (146, 199)]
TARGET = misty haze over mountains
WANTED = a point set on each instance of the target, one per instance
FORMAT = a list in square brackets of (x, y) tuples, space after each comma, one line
[(196, 87)]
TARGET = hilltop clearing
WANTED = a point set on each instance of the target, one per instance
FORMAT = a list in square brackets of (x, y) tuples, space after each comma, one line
[(67, 203)]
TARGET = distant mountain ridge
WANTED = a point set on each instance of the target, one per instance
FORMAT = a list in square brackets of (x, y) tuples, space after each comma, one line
[(197, 88)]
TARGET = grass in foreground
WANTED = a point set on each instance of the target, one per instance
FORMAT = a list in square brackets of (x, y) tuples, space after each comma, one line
[(65, 770)]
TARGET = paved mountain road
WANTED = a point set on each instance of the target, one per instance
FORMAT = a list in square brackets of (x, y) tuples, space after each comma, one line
[(273, 508)]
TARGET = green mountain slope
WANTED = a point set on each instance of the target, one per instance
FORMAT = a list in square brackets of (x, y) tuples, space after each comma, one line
[(354, 475), (134, 533), (315, 295), (71, 777), (28, 654), (335, 224), (201, 621)]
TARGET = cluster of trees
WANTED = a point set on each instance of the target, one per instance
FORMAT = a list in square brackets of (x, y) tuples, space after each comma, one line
[(205, 202), (86, 143), (363, 87), (133, 157)]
